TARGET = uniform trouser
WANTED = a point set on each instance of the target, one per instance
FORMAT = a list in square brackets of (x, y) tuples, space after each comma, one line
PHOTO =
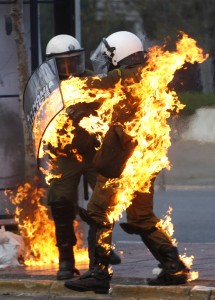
[(63, 196), (139, 215), (102, 199), (66, 186)]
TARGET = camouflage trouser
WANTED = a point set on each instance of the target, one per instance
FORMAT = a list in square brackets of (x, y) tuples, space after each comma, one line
[(139, 214), (66, 187)]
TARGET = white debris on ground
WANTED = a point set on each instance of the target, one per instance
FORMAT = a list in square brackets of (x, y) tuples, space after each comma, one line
[(11, 249)]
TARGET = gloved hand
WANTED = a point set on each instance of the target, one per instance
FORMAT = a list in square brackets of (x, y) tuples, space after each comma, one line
[(80, 110)]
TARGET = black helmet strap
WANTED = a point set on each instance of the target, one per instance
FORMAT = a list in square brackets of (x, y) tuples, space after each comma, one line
[(109, 48)]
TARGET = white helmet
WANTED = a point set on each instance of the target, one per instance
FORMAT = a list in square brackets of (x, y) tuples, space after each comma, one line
[(70, 57), (116, 50)]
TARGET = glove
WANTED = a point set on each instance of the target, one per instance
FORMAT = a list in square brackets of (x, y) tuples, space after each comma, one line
[(80, 110)]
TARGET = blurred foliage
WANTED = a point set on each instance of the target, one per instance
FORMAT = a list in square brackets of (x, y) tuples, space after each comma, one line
[(163, 20), (46, 25), (94, 28), (194, 101)]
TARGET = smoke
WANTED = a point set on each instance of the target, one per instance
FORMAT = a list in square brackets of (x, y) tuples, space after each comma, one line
[(201, 126)]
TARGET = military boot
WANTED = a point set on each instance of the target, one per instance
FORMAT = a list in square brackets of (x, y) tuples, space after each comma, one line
[(173, 272), (66, 264), (115, 259), (63, 216), (96, 280)]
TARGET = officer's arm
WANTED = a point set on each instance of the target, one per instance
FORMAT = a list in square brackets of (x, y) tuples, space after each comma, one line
[(78, 111), (104, 81)]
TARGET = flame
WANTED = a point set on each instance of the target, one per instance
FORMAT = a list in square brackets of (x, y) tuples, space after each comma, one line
[(149, 127), (188, 261), (63, 124), (168, 227), (102, 239), (38, 231)]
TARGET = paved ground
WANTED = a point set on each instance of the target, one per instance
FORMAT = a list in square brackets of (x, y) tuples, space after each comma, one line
[(128, 280), (193, 164)]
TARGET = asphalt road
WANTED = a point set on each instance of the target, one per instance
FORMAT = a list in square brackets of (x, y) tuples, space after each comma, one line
[(193, 214), (190, 191)]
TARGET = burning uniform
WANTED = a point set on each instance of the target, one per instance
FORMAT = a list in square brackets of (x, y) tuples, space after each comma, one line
[(123, 57), (42, 102), (63, 192)]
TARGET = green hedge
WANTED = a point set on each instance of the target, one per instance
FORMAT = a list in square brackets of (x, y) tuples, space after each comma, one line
[(195, 100)]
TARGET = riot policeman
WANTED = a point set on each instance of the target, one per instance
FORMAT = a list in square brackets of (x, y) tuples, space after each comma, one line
[(121, 56), (63, 192)]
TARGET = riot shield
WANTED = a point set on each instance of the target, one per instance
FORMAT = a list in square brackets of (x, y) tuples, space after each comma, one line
[(42, 100)]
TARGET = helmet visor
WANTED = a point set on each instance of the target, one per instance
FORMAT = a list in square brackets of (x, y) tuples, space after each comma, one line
[(72, 63), (100, 60)]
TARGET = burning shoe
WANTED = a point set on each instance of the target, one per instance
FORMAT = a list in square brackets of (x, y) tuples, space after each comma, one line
[(166, 278), (173, 270), (96, 280)]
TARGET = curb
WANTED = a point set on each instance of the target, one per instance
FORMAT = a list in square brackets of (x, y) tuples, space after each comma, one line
[(56, 288), (164, 292)]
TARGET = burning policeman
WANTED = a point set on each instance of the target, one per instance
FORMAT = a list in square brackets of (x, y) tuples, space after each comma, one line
[(63, 193), (121, 56), (65, 58)]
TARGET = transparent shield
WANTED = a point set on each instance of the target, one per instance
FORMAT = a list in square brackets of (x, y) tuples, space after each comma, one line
[(99, 60), (42, 100)]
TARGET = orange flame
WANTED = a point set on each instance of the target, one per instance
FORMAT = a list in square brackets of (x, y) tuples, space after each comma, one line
[(149, 127), (38, 231), (168, 227)]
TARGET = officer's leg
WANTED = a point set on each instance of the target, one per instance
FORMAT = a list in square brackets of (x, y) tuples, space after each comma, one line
[(142, 221), (91, 239), (115, 259), (98, 279), (63, 216), (62, 198)]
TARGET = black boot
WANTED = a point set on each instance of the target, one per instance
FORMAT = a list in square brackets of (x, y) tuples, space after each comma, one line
[(63, 216), (174, 272), (97, 280), (67, 268), (115, 259)]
